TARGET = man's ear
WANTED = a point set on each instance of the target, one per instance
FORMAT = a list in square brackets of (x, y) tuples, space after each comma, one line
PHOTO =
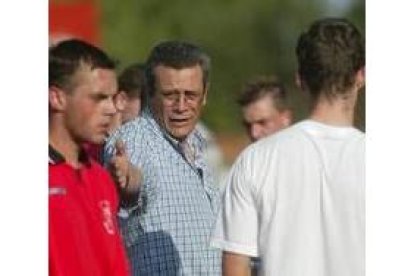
[(287, 117), (298, 81), (57, 98), (360, 78), (120, 101), (205, 94)]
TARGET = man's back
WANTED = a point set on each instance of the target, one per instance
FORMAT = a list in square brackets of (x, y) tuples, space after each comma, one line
[(307, 185)]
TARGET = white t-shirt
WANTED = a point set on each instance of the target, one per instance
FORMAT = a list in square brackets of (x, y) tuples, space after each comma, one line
[(296, 199)]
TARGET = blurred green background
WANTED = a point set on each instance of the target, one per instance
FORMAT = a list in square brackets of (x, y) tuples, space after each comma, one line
[(244, 38)]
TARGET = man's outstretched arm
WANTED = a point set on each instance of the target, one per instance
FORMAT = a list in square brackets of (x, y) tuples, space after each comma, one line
[(236, 264)]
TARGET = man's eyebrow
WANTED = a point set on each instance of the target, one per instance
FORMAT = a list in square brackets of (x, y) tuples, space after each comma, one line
[(101, 95)]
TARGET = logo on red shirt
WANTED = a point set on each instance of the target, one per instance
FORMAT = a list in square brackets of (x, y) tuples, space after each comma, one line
[(107, 217)]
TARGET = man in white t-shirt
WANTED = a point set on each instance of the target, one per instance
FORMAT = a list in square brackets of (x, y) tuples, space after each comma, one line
[(296, 198)]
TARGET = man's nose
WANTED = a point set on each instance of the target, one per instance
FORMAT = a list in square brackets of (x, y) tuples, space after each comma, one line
[(180, 103), (110, 108), (255, 132)]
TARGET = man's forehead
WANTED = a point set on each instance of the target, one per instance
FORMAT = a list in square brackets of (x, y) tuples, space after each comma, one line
[(170, 75), (101, 77), (265, 102), (170, 68), (85, 67), (86, 70)]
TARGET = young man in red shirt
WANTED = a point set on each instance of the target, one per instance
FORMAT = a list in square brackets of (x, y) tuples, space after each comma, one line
[(83, 200)]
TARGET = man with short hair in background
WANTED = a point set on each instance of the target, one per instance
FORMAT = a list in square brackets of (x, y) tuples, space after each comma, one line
[(131, 94), (264, 107)]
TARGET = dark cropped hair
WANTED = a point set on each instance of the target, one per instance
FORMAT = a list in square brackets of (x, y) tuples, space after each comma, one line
[(132, 81), (178, 55), (329, 55), (262, 86), (68, 56)]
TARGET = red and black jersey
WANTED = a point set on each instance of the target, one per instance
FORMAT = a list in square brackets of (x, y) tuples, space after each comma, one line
[(83, 234)]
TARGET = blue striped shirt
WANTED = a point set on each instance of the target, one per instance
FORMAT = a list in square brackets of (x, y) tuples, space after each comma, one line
[(167, 231)]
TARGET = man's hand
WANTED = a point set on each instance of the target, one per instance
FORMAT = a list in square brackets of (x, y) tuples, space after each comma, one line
[(126, 175)]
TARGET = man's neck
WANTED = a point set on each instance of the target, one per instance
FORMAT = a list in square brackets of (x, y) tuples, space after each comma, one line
[(60, 140), (336, 112)]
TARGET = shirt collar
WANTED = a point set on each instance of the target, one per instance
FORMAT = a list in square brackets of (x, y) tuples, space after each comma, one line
[(56, 157)]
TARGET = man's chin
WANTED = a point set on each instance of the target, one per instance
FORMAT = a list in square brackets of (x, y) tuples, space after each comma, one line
[(97, 139)]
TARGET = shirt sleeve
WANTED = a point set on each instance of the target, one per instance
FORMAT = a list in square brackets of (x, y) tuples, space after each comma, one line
[(121, 262), (127, 135), (109, 149), (237, 222)]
